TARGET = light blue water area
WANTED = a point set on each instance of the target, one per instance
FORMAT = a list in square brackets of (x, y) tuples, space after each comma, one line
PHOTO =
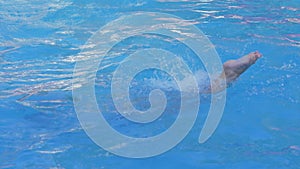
[(39, 46)]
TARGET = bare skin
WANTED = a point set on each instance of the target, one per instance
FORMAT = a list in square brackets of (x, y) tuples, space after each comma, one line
[(233, 69)]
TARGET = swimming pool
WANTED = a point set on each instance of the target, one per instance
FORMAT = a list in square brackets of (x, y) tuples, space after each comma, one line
[(39, 46)]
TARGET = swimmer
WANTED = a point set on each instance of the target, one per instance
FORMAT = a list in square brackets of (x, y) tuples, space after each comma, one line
[(232, 70)]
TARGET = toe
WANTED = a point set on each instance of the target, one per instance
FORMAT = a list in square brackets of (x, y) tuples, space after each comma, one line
[(257, 54)]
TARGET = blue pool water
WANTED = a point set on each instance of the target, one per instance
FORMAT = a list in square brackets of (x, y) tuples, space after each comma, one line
[(39, 46)]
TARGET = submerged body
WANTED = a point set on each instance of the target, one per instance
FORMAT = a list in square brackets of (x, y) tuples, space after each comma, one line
[(232, 69)]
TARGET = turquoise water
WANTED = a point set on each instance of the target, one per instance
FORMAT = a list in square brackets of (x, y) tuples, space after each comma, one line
[(39, 46)]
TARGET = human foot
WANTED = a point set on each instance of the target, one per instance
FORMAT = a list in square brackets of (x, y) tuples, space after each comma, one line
[(234, 68)]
